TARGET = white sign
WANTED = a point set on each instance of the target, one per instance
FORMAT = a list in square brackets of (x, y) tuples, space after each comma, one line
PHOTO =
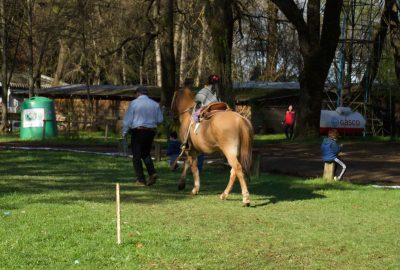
[(33, 117)]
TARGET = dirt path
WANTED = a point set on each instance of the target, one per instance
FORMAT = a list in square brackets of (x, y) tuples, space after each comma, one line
[(366, 162)]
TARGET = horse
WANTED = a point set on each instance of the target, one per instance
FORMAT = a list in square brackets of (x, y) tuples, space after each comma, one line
[(226, 131)]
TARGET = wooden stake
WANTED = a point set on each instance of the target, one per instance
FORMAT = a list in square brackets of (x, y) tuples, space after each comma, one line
[(118, 214), (329, 170)]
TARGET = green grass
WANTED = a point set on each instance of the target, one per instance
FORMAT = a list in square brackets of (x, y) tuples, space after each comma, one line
[(9, 137), (86, 138), (97, 139), (62, 211)]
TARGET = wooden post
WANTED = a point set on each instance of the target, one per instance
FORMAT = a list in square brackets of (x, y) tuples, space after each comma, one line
[(157, 150), (255, 166), (68, 125), (106, 132), (44, 129), (329, 170), (118, 214)]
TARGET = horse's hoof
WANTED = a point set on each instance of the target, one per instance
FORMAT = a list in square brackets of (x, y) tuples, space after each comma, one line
[(181, 186), (246, 204), (223, 196), (195, 191)]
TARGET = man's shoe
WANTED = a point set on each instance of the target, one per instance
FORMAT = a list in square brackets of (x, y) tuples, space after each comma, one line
[(140, 183), (152, 179)]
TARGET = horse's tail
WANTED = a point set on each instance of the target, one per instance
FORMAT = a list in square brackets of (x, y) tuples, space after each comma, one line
[(246, 145)]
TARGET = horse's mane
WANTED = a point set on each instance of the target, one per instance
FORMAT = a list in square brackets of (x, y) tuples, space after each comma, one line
[(189, 90), (177, 94)]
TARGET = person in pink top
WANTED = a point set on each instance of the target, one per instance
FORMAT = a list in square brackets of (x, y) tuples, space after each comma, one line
[(289, 122)]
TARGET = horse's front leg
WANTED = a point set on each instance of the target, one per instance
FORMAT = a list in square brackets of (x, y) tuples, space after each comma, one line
[(182, 180), (195, 172)]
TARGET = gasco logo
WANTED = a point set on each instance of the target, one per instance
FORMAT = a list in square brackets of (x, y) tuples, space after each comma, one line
[(349, 122)]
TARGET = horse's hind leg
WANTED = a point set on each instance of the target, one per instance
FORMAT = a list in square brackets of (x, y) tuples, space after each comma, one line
[(195, 172), (234, 163), (228, 188)]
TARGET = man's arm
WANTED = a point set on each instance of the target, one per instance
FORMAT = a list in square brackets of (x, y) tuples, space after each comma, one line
[(160, 116), (128, 117)]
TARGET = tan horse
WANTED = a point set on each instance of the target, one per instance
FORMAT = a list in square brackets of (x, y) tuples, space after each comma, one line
[(227, 132)]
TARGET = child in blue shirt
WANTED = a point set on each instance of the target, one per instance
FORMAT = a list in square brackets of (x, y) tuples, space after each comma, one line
[(173, 149), (330, 151)]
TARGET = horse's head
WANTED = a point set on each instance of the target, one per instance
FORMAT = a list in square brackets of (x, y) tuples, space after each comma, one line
[(182, 101)]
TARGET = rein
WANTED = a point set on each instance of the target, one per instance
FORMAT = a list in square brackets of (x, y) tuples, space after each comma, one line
[(188, 109), (186, 136)]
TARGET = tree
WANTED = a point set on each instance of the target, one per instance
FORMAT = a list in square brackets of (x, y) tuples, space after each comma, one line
[(168, 67), (270, 73), (317, 46), (203, 41), (395, 34), (10, 36), (29, 10), (389, 13), (220, 19), (4, 66)]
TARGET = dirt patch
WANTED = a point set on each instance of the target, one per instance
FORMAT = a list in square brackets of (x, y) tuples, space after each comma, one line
[(366, 162)]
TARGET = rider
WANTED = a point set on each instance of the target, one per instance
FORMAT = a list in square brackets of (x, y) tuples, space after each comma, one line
[(207, 95)]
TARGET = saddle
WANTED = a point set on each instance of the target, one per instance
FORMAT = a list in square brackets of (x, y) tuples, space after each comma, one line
[(211, 109)]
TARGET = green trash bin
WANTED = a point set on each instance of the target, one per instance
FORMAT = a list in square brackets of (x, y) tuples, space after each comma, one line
[(38, 119)]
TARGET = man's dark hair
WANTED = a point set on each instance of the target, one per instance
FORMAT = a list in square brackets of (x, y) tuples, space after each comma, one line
[(142, 90)]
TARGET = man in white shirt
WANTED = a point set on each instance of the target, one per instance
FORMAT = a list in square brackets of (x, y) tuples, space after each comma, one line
[(141, 120)]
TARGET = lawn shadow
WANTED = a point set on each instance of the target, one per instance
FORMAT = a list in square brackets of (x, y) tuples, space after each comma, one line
[(73, 178), (272, 188)]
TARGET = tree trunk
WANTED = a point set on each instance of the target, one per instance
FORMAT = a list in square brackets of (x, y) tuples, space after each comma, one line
[(200, 59), (143, 57), (4, 75), (167, 51), (311, 89), (157, 49), (378, 44), (123, 63), (29, 9), (82, 7), (62, 56), (38, 73), (178, 30), (317, 47), (272, 48), (395, 36), (219, 15), (183, 60)]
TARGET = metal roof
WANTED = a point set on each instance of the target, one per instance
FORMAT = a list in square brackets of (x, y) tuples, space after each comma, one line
[(267, 85), (96, 91)]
